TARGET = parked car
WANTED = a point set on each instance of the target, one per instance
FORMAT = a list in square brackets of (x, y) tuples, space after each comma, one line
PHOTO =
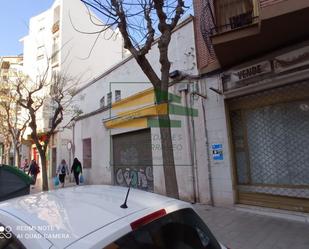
[(96, 217)]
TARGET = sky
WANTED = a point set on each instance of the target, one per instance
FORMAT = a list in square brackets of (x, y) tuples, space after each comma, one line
[(14, 20)]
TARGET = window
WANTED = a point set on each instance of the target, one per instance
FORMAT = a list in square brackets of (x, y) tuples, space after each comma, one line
[(117, 95), (102, 102), (236, 13), (87, 153), (181, 229), (109, 99), (40, 52)]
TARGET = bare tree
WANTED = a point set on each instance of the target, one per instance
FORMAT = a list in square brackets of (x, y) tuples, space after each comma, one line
[(140, 22), (53, 94), (15, 123), (5, 139)]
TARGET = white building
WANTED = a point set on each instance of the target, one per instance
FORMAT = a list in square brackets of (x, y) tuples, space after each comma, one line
[(113, 145), (55, 41), (11, 68)]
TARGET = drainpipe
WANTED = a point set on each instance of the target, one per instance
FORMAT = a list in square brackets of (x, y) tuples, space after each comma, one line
[(207, 149), (189, 77), (194, 154), (184, 95)]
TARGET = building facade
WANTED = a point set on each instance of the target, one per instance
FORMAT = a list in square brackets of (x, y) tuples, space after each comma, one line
[(254, 56), (56, 44), (121, 141), (11, 68)]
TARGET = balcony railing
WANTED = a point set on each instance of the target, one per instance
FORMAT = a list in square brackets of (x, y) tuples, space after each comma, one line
[(56, 27), (234, 14)]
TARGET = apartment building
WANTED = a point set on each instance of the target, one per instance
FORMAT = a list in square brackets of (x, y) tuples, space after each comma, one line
[(253, 56), (10, 70), (56, 44)]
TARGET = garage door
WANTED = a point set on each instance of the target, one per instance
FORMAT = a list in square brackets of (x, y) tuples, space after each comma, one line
[(132, 159)]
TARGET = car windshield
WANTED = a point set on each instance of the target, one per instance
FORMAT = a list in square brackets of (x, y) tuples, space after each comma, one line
[(182, 229)]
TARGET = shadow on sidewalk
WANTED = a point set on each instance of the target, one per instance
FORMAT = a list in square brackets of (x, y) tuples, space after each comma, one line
[(69, 182)]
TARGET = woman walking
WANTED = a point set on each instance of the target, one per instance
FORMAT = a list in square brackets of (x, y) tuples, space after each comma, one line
[(34, 170), (62, 171), (76, 169)]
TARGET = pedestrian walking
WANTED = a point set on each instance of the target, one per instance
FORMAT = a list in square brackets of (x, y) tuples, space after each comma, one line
[(34, 170), (25, 165), (62, 171), (76, 169)]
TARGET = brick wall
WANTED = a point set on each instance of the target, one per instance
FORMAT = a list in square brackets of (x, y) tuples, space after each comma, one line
[(203, 56)]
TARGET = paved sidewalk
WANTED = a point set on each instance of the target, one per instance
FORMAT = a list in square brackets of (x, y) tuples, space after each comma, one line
[(244, 230), (38, 186)]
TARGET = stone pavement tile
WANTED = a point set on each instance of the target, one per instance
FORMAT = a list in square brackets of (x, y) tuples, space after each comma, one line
[(240, 229)]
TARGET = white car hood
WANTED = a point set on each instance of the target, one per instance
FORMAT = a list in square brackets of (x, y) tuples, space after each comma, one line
[(66, 215)]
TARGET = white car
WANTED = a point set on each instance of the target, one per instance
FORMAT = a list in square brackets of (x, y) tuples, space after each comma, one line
[(94, 217)]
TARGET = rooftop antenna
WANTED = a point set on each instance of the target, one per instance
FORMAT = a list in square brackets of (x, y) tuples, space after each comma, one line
[(124, 205)]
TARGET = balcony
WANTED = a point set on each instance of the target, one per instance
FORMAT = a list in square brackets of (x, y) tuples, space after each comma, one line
[(244, 29), (56, 27), (231, 15)]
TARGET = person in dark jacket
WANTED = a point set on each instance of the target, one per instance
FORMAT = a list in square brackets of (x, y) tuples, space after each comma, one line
[(62, 171), (34, 170), (76, 170)]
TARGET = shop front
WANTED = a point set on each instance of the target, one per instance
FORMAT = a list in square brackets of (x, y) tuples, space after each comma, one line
[(268, 109)]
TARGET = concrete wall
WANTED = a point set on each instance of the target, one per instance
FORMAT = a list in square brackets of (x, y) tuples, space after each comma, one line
[(100, 172), (77, 56), (217, 132)]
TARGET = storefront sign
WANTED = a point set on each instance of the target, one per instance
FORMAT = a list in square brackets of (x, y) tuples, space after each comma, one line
[(217, 152), (250, 72), (234, 79)]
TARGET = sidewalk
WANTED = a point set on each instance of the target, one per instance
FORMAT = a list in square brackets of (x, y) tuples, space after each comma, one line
[(243, 230), (38, 186)]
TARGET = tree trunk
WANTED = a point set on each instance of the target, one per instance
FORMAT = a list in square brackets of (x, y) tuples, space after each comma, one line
[(14, 154), (168, 157), (18, 157), (171, 186), (44, 171)]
